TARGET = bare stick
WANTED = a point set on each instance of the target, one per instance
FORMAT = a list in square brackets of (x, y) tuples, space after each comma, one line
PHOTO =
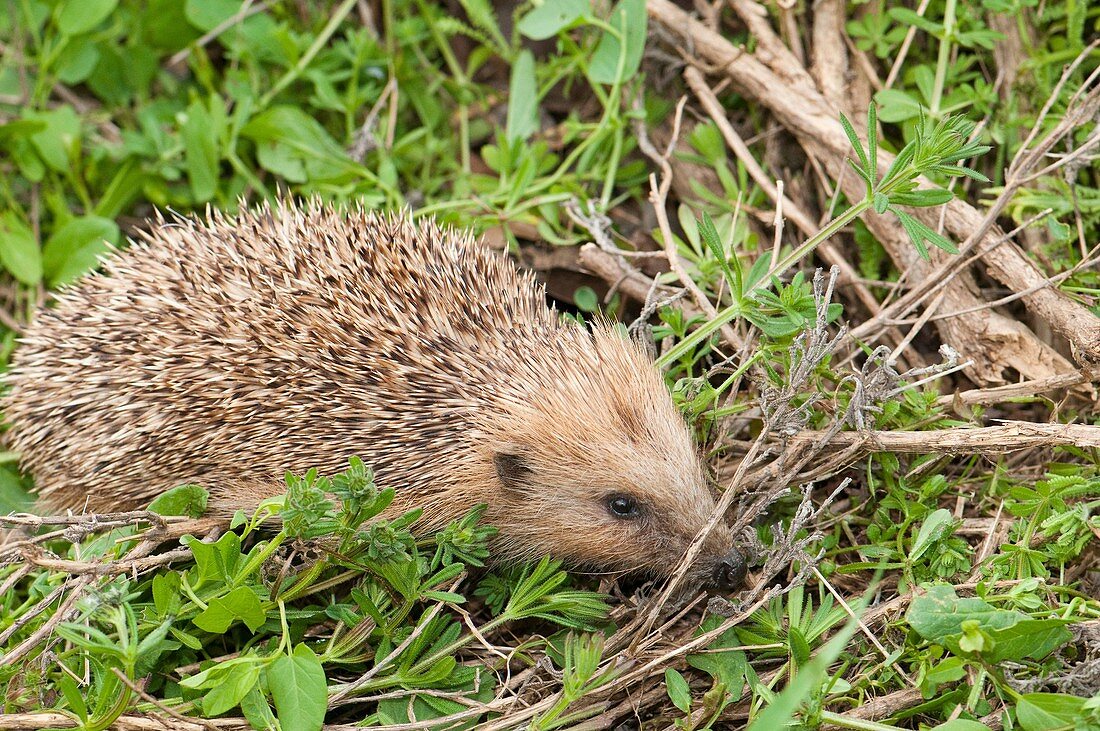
[(1000, 394), (1007, 437)]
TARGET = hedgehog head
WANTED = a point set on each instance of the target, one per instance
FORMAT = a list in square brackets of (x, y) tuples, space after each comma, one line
[(596, 466)]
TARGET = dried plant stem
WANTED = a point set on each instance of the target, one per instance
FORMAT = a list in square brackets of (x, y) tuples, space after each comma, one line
[(1007, 437), (1000, 394)]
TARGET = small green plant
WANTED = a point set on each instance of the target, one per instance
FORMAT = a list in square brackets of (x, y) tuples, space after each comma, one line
[(935, 151), (388, 598), (580, 675)]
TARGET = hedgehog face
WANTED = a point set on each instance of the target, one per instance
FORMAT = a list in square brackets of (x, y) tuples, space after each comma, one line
[(611, 509), (603, 472)]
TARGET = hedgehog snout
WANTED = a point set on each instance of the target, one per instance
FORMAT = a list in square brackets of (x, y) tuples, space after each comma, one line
[(730, 571)]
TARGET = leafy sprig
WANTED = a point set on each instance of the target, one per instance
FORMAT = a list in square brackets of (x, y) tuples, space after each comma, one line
[(936, 149)]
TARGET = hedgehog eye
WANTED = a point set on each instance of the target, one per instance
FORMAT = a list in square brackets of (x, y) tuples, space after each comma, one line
[(623, 506)]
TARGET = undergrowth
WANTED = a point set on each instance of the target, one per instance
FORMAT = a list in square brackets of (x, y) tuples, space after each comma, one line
[(908, 587)]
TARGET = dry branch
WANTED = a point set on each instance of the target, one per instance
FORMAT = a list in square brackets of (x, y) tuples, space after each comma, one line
[(884, 706), (1024, 389), (36, 721), (1006, 437)]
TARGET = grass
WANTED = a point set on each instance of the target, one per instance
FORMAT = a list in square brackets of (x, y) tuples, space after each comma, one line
[(892, 589)]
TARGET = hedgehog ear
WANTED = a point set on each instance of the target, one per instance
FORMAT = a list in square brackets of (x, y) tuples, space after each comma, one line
[(511, 467)]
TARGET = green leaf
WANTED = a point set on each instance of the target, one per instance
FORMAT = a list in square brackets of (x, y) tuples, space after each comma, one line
[(709, 233), (200, 150), (239, 604), (297, 684), (209, 14), (897, 106), (899, 166), (679, 692), (126, 185), (880, 202), (551, 17), (482, 14), (80, 16), (967, 172), (59, 139), (13, 496), (189, 500), (961, 724), (232, 686), (728, 668), (947, 671), (214, 562), (629, 18), (853, 138), (586, 299), (74, 249), (19, 129), (1045, 711), (940, 613), (799, 647), (77, 61), (255, 709), (872, 140), (444, 596), (151, 647), (165, 26), (167, 599), (905, 16), (920, 233), (974, 626), (19, 252), (923, 198), (290, 141), (935, 526), (187, 639), (523, 103), (758, 271), (73, 697), (1028, 639), (973, 640)]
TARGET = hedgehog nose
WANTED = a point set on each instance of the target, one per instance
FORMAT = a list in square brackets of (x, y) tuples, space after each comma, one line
[(730, 572)]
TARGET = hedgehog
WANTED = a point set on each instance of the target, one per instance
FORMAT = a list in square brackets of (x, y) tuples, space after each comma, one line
[(229, 350)]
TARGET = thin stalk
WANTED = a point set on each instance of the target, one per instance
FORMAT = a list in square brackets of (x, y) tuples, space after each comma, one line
[(463, 82), (256, 561), (837, 719), (320, 42), (610, 107), (612, 168), (943, 58), (812, 243), (683, 347)]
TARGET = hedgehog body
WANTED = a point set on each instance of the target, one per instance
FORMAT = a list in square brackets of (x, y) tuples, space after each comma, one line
[(229, 351)]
